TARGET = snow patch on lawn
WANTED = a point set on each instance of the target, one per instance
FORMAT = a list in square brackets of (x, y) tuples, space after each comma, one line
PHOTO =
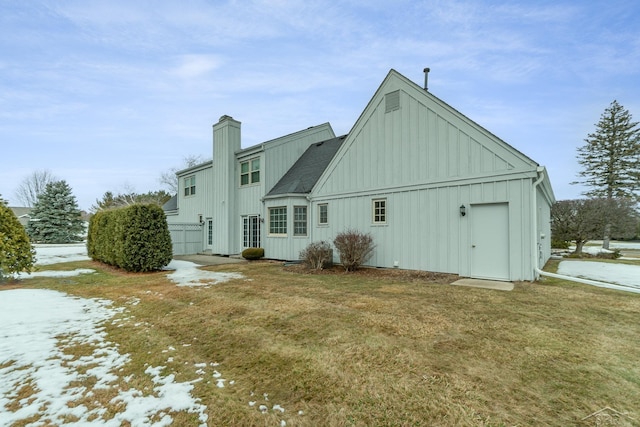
[(36, 326), (54, 254), (50, 273), (189, 274), (621, 274), (184, 273)]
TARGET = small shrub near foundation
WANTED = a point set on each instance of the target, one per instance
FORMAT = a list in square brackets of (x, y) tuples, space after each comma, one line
[(253, 254), (559, 244), (317, 255), (355, 248)]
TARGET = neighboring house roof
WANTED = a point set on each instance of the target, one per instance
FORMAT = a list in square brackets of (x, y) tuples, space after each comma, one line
[(21, 212), (171, 204), (195, 168), (306, 171)]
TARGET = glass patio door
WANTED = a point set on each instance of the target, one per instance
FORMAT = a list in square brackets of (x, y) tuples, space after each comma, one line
[(251, 231)]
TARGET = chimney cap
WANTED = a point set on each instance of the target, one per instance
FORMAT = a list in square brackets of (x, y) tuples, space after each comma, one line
[(427, 69)]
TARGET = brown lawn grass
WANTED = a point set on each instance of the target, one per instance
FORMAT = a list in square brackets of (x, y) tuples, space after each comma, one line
[(377, 348)]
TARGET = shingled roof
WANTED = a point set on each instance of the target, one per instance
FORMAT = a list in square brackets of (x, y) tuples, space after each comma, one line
[(306, 171), (171, 204)]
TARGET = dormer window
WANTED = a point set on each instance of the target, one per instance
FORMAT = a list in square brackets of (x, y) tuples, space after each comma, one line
[(250, 172)]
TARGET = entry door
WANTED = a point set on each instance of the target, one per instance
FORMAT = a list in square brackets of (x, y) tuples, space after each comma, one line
[(490, 241), (251, 231), (209, 231)]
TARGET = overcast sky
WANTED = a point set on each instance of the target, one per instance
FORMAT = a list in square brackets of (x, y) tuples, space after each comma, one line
[(107, 95)]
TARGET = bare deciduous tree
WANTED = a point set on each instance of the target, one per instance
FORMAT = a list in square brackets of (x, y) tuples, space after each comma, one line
[(582, 220), (169, 180), (32, 186)]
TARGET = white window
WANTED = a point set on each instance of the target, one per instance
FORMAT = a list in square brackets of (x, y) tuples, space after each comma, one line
[(323, 214), (190, 185), (379, 211), (299, 220), (278, 220), (250, 172)]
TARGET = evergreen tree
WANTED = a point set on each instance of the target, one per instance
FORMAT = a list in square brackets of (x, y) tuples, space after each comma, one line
[(16, 253), (55, 217), (611, 160)]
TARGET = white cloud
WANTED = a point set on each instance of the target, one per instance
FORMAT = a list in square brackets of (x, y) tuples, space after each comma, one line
[(195, 66), (154, 75)]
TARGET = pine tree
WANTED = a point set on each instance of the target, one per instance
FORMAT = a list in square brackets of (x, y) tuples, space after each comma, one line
[(16, 253), (55, 217), (611, 156), (611, 159)]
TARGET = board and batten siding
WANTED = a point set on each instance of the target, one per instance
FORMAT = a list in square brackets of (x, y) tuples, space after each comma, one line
[(415, 143), (543, 225), (427, 160), (282, 153), (201, 203), (424, 229), (286, 247), (276, 157)]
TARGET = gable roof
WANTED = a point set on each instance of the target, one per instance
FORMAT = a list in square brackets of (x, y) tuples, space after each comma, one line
[(284, 139), (417, 90), (21, 212), (306, 171), (476, 142)]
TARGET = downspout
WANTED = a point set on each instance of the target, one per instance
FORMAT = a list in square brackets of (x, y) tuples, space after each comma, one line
[(534, 224), (534, 256), (589, 282)]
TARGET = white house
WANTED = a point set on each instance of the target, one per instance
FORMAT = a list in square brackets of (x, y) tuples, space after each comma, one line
[(437, 191)]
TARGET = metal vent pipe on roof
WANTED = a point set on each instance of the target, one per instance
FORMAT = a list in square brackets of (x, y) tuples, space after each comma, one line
[(426, 78)]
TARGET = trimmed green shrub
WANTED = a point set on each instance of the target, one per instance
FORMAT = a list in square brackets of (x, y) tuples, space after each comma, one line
[(355, 248), (317, 255), (135, 238), (559, 244), (16, 252), (253, 253), (615, 254)]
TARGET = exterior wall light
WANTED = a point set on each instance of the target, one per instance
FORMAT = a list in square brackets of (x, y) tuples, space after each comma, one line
[(463, 210)]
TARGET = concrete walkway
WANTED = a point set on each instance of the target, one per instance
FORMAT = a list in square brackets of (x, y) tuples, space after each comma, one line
[(485, 284), (210, 259)]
